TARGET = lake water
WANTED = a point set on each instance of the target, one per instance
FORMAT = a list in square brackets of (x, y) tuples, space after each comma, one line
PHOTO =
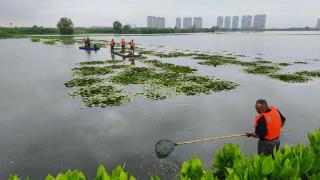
[(43, 130)]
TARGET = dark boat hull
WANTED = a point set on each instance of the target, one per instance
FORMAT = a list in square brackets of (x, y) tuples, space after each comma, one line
[(89, 48)]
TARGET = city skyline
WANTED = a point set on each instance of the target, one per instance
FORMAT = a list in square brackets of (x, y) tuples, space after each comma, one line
[(156, 22), (281, 14)]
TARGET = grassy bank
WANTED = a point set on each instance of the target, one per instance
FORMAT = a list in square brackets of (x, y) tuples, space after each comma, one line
[(299, 162), (35, 30)]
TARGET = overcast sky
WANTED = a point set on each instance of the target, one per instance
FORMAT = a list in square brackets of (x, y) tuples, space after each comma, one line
[(280, 13)]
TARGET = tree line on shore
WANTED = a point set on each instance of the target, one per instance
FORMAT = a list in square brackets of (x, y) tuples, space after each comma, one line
[(65, 26)]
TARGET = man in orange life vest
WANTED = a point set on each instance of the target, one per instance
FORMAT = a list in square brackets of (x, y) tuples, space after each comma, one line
[(112, 45), (123, 45), (132, 45), (268, 126)]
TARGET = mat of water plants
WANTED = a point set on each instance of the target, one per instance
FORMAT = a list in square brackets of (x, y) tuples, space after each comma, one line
[(114, 83), (258, 66)]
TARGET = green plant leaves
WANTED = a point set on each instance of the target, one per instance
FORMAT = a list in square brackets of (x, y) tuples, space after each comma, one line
[(299, 162), (267, 165)]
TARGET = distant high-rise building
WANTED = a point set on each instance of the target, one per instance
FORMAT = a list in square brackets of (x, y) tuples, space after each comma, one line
[(259, 21), (155, 22), (178, 23), (246, 22), (227, 22), (235, 22), (149, 22), (197, 22), (187, 23), (318, 24), (163, 24), (220, 22)]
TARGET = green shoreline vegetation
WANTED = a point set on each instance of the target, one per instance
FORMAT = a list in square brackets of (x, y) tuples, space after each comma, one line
[(297, 162)]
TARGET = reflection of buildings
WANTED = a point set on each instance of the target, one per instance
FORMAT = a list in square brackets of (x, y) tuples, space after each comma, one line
[(178, 23), (220, 22), (246, 22), (259, 22), (318, 24), (187, 23), (227, 22), (197, 22), (156, 22), (235, 22)]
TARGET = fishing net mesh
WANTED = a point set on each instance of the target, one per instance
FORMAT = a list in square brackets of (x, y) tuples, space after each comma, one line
[(164, 148)]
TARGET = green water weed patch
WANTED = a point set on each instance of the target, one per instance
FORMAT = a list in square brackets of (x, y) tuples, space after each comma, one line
[(49, 42), (92, 70), (86, 81), (35, 39)]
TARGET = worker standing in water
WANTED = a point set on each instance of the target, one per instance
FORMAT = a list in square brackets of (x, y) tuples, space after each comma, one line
[(123, 45), (112, 46), (87, 42), (132, 46), (268, 124)]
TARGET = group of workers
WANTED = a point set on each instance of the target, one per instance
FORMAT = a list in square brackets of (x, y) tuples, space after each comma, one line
[(112, 44), (123, 45)]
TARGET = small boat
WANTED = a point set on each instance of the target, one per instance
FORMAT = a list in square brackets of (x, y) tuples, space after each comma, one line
[(127, 55), (89, 48)]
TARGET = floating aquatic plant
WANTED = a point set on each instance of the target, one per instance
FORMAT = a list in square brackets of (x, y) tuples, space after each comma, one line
[(173, 54), (262, 69), (263, 62), (284, 64), (290, 78), (86, 81), (138, 75), (153, 94), (101, 96), (68, 41), (92, 63), (301, 62), (171, 67), (92, 70), (50, 42), (297, 77), (309, 73), (35, 39)]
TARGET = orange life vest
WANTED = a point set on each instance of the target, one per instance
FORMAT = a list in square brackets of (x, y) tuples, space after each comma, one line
[(273, 121), (123, 42), (131, 44), (111, 43)]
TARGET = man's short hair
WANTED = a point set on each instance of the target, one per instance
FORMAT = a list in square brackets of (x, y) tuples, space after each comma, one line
[(262, 101)]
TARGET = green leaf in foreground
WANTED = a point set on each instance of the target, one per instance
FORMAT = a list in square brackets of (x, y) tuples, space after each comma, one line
[(267, 165)]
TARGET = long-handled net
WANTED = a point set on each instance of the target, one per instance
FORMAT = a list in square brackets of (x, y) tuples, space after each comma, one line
[(164, 147)]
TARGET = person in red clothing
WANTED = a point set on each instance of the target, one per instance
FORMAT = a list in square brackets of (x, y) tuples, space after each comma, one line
[(112, 45), (132, 46), (268, 124), (123, 45)]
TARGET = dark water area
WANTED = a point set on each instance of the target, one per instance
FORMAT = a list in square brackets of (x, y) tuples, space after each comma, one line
[(43, 130)]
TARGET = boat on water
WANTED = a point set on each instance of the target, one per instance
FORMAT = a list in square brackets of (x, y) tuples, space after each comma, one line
[(89, 48)]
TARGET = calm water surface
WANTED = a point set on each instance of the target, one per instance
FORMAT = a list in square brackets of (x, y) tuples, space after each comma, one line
[(43, 130)]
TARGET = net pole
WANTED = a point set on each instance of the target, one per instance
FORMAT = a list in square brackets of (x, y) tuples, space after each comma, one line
[(217, 138)]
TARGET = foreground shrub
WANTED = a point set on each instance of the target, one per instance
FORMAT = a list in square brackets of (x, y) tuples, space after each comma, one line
[(299, 162)]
